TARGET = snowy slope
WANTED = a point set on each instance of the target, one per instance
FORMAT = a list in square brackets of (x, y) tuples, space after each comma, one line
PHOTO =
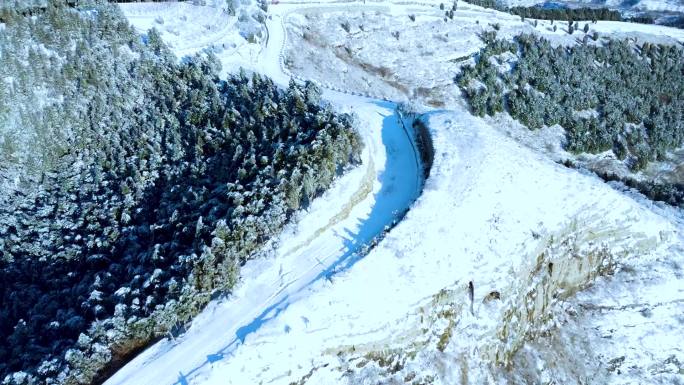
[(588, 280), (486, 198)]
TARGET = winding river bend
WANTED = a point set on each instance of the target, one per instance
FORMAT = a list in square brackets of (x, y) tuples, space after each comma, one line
[(330, 238)]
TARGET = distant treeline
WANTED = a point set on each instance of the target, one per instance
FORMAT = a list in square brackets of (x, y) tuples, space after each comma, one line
[(564, 13), (567, 14), (675, 21)]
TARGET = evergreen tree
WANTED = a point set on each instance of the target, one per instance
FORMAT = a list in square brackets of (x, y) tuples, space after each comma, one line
[(605, 97)]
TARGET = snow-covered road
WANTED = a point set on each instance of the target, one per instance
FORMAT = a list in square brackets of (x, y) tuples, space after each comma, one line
[(327, 239)]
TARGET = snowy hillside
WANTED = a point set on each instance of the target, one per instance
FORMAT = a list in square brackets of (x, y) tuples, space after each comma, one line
[(509, 268), (527, 241), (339, 192), (215, 25)]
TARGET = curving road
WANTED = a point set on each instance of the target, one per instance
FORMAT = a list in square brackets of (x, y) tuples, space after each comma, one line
[(328, 239)]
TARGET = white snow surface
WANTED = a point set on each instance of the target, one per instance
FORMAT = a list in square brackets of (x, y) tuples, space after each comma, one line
[(590, 280), (474, 222), (188, 28)]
